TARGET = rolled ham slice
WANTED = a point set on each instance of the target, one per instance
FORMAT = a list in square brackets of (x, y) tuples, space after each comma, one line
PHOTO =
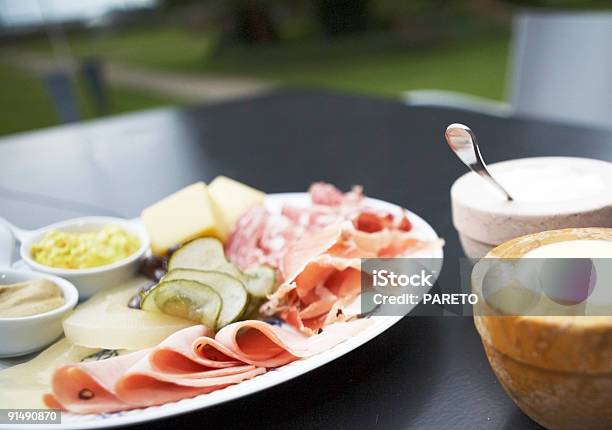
[(169, 372), (267, 345), (186, 364), (89, 387)]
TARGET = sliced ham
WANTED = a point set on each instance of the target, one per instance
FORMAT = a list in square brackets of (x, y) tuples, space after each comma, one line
[(76, 386), (169, 372), (142, 386), (253, 342), (259, 339), (179, 349), (186, 364), (265, 345)]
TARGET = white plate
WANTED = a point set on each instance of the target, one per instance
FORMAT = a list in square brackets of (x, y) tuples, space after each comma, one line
[(285, 373)]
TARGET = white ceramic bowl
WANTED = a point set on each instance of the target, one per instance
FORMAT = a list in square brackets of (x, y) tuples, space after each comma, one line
[(89, 281), (550, 193), (23, 335)]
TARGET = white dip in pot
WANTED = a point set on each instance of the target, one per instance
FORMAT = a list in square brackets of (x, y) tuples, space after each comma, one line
[(550, 193)]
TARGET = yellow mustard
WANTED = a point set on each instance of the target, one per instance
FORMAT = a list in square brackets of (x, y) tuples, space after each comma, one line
[(67, 250)]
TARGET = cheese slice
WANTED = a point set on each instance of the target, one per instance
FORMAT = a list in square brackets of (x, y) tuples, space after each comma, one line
[(105, 321), (28, 381), (181, 217), (232, 199)]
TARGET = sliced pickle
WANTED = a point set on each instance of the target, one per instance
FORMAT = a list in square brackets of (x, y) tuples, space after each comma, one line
[(230, 289), (232, 270), (207, 254), (260, 280), (185, 299), (204, 253)]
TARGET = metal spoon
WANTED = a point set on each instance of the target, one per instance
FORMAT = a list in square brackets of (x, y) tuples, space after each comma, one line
[(463, 142)]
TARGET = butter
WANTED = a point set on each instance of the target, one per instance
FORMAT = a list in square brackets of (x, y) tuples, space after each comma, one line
[(181, 217), (232, 199)]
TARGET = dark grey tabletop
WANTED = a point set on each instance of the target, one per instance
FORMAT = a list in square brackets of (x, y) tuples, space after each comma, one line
[(425, 372)]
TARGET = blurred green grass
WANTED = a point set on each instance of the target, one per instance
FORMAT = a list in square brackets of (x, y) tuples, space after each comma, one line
[(162, 48), (371, 64), (25, 104), (477, 68)]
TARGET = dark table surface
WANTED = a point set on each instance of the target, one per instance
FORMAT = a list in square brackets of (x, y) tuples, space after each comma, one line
[(425, 372)]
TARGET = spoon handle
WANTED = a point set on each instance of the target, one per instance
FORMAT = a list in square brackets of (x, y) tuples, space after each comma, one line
[(19, 233), (464, 144), (481, 168)]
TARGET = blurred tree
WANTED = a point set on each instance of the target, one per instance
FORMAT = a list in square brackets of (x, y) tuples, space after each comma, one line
[(241, 21), (562, 4), (412, 23), (337, 17), (253, 21)]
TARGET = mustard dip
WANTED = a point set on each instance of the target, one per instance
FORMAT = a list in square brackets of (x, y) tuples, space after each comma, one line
[(66, 250), (29, 298)]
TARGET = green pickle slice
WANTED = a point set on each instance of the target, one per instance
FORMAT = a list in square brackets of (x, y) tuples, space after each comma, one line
[(260, 280), (184, 298), (231, 290), (203, 260), (203, 253)]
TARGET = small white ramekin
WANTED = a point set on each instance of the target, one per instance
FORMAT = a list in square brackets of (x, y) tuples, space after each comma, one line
[(24, 335), (91, 280)]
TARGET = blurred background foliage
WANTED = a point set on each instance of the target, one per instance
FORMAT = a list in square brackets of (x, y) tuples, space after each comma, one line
[(377, 47)]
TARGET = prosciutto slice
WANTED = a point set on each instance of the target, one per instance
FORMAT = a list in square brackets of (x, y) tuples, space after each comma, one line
[(188, 363), (322, 271)]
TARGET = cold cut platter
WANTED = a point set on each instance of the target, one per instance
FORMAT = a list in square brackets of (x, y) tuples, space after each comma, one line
[(216, 292)]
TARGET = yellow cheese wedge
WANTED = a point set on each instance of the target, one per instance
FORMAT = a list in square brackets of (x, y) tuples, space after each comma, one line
[(232, 199), (181, 217)]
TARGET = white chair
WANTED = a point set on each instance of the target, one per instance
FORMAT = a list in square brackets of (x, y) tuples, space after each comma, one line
[(561, 69)]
